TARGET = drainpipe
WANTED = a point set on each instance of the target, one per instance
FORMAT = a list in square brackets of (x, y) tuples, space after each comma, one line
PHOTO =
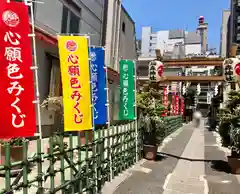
[(116, 67)]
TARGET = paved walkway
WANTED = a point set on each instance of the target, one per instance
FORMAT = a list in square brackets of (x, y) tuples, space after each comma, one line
[(192, 163)]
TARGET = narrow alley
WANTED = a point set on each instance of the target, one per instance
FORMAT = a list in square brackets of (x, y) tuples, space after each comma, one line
[(191, 162)]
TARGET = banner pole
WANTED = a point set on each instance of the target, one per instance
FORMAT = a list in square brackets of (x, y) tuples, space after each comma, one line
[(35, 68), (108, 122), (92, 105), (136, 124)]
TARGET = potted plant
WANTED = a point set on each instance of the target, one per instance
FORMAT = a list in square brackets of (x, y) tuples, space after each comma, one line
[(234, 133), (16, 149), (150, 109), (229, 129)]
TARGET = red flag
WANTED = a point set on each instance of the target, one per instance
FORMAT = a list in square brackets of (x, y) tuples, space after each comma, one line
[(165, 100), (177, 105), (173, 103), (182, 106), (17, 115)]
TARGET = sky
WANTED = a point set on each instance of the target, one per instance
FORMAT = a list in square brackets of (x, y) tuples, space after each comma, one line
[(178, 14)]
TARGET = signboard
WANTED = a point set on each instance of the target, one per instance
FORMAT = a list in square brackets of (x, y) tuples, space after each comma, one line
[(99, 92), (75, 71), (127, 90), (17, 117)]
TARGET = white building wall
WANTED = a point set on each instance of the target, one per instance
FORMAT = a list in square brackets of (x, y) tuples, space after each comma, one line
[(224, 31), (146, 34), (192, 49), (113, 24), (172, 42), (162, 40)]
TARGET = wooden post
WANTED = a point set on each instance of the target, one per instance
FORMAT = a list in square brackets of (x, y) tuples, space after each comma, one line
[(158, 54), (233, 51)]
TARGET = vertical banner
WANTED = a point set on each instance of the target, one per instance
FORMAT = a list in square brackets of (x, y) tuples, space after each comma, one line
[(127, 90), (165, 100), (17, 116), (165, 97), (173, 103), (75, 71), (98, 78), (182, 106), (177, 105)]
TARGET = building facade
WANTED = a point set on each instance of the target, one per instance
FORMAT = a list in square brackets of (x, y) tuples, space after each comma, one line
[(233, 32), (68, 17), (120, 44), (172, 43), (224, 33), (192, 44), (77, 17)]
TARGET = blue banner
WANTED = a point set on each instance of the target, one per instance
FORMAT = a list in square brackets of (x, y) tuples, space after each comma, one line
[(98, 78)]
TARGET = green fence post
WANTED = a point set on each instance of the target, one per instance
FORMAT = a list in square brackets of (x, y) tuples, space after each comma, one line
[(94, 168), (52, 161), (87, 163), (25, 167), (79, 162), (8, 168), (39, 165), (72, 163), (62, 166)]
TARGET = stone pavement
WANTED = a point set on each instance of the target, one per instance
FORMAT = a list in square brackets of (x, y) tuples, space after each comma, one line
[(192, 162)]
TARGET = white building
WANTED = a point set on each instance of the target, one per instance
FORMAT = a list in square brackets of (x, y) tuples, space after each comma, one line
[(172, 43), (224, 33)]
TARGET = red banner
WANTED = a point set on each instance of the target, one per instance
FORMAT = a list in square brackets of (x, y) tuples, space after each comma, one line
[(17, 116), (177, 105), (165, 100), (182, 106), (173, 103)]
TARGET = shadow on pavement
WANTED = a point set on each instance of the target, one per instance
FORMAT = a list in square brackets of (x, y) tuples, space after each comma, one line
[(160, 157), (218, 165)]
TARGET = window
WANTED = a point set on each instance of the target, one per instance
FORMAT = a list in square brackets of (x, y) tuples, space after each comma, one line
[(54, 76), (74, 23), (123, 27), (71, 16)]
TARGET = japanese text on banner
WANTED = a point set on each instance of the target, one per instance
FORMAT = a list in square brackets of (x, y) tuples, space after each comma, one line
[(177, 105), (75, 71), (127, 89), (98, 78), (17, 117)]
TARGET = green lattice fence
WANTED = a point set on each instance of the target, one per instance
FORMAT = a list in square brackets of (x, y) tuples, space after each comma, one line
[(68, 167)]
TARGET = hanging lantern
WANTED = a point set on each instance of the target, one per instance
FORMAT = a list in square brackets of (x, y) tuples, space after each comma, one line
[(237, 69), (155, 71), (231, 69)]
